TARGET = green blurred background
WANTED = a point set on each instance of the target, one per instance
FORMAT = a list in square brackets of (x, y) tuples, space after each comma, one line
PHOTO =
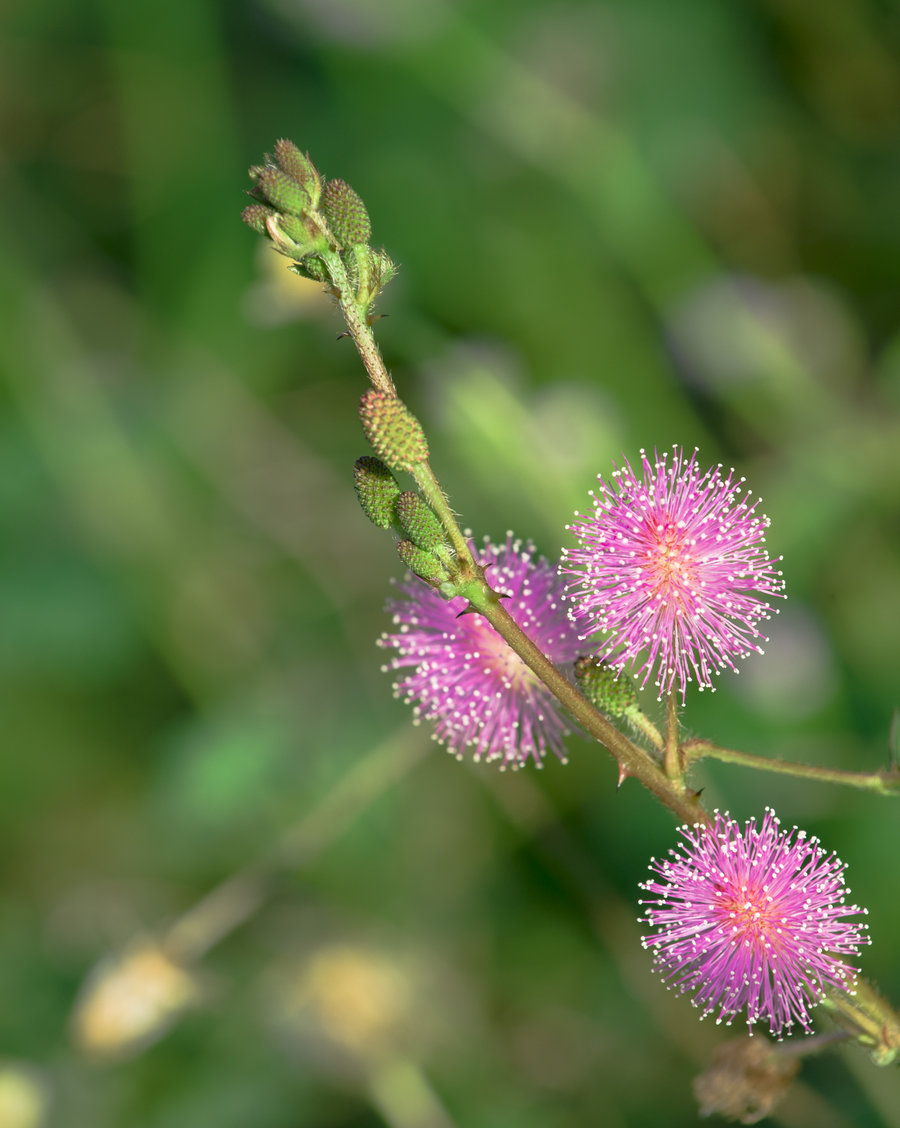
[(621, 225)]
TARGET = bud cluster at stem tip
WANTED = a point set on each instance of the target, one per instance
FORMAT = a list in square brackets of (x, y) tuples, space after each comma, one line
[(314, 221)]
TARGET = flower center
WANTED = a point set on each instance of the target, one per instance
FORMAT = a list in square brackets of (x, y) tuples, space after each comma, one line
[(751, 914), (669, 568)]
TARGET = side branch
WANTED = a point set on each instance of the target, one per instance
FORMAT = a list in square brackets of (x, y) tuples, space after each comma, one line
[(883, 782)]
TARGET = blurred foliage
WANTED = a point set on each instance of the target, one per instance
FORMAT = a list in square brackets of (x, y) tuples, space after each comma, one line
[(620, 225)]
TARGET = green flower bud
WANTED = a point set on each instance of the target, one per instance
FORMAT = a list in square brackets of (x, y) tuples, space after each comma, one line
[(394, 432), (280, 190), (295, 229), (346, 213), (300, 168), (255, 216), (377, 490), (418, 522), (291, 237), (421, 563), (603, 687)]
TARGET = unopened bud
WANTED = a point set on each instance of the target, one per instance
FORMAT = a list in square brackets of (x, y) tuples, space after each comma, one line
[(377, 490), (291, 237), (298, 166), (421, 563), (295, 229), (603, 687), (418, 522), (392, 429), (255, 216), (346, 213), (280, 190)]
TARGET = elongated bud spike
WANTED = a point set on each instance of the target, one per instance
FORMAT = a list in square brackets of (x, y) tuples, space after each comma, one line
[(377, 490), (603, 687), (418, 522), (394, 432), (421, 563), (346, 213)]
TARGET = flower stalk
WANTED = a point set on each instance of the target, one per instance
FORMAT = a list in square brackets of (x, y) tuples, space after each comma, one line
[(886, 781)]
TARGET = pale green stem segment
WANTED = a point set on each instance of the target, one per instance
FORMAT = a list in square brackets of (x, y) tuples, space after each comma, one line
[(672, 760), (884, 782), (644, 725), (870, 1019)]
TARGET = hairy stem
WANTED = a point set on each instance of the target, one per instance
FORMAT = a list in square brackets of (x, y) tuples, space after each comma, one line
[(632, 760), (672, 757), (437, 499), (644, 725), (883, 782), (357, 324)]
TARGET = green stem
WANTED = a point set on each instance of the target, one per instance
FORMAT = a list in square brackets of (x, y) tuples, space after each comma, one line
[(643, 724), (672, 760), (632, 760), (884, 782), (357, 324), (869, 1018), (436, 498)]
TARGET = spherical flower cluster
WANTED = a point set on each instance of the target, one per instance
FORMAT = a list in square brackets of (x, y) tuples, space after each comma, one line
[(463, 677), (670, 566), (752, 918)]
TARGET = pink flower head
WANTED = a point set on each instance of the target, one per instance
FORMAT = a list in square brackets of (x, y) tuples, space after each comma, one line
[(752, 918), (670, 566), (464, 678)]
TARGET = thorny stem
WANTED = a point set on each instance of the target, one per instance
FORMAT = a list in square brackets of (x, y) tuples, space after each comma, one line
[(665, 783), (883, 782), (632, 760)]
